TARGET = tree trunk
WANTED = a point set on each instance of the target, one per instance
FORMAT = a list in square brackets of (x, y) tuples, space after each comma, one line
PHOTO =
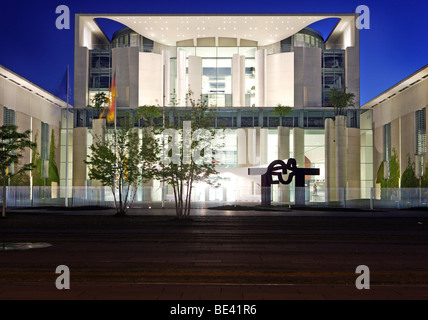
[(4, 197)]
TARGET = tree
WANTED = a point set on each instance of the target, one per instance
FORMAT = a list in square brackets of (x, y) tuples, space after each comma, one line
[(409, 179), (188, 154), (12, 146), (53, 169), (394, 171), (121, 162), (340, 100), (424, 178), (282, 111), (100, 100)]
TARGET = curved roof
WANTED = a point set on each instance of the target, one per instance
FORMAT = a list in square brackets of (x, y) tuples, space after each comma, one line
[(265, 29)]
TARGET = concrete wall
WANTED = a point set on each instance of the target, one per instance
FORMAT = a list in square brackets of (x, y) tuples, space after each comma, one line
[(80, 138), (81, 77), (307, 77), (352, 72), (399, 110), (195, 77), (280, 79), (32, 105), (261, 77), (150, 75), (125, 65), (353, 159)]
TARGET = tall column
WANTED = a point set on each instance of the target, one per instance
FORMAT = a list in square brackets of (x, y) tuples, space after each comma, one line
[(299, 155), (252, 158), (353, 155), (299, 146), (261, 77), (263, 146), (238, 80), (181, 78), (166, 77), (330, 160), (195, 77), (241, 136), (283, 154), (340, 132)]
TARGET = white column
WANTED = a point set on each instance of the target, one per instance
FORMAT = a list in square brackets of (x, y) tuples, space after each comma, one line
[(252, 146), (166, 76), (263, 146), (330, 160), (299, 146), (181, 78), (260, 74), (241, 136), (340, 133), (195, 77), (353, 163), (238, 80), (283, 154), (283, 143)]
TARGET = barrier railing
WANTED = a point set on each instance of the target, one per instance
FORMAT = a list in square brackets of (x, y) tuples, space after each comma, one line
[(361, 198)]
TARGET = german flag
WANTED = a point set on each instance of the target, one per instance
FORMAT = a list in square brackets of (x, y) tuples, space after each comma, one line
[(112, 108)]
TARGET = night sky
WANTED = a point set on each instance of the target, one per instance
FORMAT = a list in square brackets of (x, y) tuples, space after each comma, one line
[(395, 46)]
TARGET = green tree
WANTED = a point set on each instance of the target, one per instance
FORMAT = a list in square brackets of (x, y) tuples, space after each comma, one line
[(282, 111), (394, 171), (121, 162), (12, 146), (189, 157), (149, 113), (53, 169), (409, 179), (424, 178), (340, 100), (100, 100)]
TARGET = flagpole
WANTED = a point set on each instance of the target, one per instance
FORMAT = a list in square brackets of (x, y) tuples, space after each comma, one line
[(66, 142)]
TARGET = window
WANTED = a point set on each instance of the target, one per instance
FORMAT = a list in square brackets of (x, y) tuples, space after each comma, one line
[(421, 132), (8, 116), (387, 142), (44, 150), (333, 72), (387, 148)]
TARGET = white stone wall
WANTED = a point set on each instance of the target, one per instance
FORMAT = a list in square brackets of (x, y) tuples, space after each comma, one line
[(280, 79)]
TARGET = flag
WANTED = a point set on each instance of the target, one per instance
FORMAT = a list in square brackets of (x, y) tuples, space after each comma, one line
[(111, 115), (61, 90)]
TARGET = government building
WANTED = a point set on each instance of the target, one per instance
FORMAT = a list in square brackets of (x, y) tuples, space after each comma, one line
[(244, 66)]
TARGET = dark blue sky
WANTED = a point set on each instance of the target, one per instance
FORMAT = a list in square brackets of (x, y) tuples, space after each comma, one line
[(395, 46)]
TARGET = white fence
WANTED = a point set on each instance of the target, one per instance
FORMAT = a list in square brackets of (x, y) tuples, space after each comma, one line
[(372, 198)]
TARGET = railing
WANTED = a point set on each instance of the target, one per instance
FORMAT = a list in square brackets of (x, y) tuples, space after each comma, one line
[(205, 196)]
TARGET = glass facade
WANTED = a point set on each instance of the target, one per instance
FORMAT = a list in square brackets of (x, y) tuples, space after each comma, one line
[(8, 116), (128, 38), (387, 151), (100, 66), (217, 73), (421, 132), (333, 72), (307, 37)]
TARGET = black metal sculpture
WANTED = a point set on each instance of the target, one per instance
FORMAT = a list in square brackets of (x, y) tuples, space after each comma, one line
[(278, 168)]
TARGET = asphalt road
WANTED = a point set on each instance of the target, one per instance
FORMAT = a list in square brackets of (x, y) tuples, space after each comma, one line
[(224, 256)]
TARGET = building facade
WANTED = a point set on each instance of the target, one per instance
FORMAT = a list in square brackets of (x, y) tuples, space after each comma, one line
[(29, 107), (244, 66), (399, 128)]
